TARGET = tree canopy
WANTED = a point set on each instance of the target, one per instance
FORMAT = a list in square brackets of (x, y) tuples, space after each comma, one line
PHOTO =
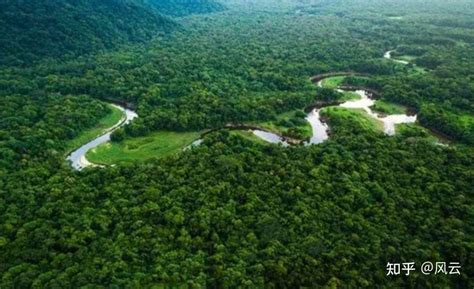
[(235, 212)]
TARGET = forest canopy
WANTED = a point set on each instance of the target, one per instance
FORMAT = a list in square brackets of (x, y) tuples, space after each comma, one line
[(179, 8), (30, 30), (233, 211)]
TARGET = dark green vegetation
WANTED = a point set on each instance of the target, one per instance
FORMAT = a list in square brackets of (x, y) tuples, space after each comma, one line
[(453, 122), (100, 127), (56, 28), (292, 124), (234, 213), (185, 7), (412, 131), (37, 128), (31, 29)]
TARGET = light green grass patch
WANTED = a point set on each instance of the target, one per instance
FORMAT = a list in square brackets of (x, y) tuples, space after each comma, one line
[(332, 82), (341, 118), (350, 95), (104, 124), (155, 145), (385, 107), (466, 119)]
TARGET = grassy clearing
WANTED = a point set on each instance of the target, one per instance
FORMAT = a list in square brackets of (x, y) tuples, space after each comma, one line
[(348, 119), (350, 95), (385, 107), (335, 82), (105, 123), (291, 123), (332, 82), (155, 145)]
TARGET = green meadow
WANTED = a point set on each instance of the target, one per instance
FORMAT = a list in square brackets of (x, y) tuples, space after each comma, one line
[(155, 145)]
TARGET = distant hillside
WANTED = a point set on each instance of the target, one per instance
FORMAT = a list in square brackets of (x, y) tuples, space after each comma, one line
[(185, 7), (30, 29)]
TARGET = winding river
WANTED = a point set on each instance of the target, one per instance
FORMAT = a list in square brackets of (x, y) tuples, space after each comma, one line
[(319, 127), (270, 137), (389, 121), (388, 55), (267, 136), (78, 157)]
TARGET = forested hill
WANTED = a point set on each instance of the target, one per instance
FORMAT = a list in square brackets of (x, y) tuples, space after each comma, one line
[(185, 7), (31, 29)]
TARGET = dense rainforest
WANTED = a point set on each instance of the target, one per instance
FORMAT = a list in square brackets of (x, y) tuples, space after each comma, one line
[(56, 28), (235, 212), (178, 8)]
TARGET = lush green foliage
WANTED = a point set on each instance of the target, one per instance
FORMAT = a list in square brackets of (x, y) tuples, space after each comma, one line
[(31, 29), (102, 125), (233, 212), (292, 124), (36, 128), (183, 8), (456, 124)]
